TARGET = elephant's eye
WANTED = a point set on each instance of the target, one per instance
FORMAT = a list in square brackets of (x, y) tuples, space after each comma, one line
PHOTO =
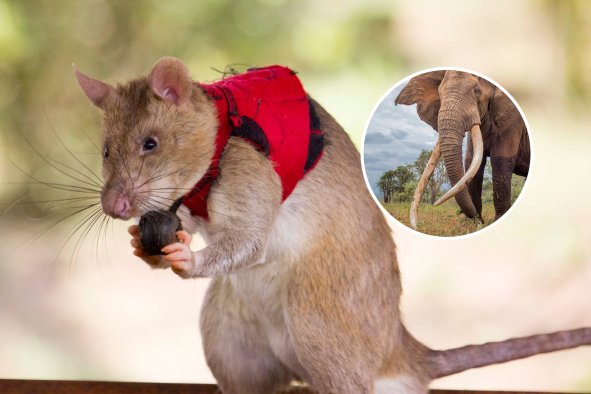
[(477, 90)]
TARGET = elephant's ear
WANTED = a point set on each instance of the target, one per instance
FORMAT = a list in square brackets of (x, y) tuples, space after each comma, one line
[(505, 115), (422, 90)]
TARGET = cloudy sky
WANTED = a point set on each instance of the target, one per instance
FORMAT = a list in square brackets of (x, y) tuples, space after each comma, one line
[(395, 136)]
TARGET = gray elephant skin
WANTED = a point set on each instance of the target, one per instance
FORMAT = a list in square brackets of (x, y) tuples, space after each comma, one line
[(454, 102)]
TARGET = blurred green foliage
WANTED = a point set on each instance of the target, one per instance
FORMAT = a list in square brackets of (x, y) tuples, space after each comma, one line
[(347, 53), (117, 40), (574, 24)]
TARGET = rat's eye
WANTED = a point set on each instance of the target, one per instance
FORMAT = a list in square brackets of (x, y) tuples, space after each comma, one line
[(106, 152), (149, 144)]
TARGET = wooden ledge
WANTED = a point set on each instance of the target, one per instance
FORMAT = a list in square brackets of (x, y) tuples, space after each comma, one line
[(19, 386)]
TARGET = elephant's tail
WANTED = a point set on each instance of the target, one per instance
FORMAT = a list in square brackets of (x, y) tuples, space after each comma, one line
[(449, 362)]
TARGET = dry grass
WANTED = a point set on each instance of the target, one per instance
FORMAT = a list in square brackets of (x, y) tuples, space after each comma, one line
[(444, 221)]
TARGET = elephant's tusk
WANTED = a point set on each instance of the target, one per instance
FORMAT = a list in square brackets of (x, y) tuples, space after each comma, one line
[(478, 149), (429, 168)]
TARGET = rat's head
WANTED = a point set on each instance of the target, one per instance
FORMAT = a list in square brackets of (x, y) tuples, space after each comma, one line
[(158, 138)]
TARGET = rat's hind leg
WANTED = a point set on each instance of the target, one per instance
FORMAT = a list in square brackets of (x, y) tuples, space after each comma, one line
[(235, 347), (344, 322)]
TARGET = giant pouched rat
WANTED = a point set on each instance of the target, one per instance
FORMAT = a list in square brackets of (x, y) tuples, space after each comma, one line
[(305, 285)]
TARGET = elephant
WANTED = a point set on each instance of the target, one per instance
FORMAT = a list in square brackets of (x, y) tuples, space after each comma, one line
[(454, 102)]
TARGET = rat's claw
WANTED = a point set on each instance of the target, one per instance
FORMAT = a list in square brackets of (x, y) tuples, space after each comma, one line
[(179, 256), (133, 230), (175, 247), (177, 251), (184, 237)]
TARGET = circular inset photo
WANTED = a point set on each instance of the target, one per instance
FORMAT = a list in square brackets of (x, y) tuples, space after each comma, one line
[(446, 152)]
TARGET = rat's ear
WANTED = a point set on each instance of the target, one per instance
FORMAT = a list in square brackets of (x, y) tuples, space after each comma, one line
[(422, 90), (95, 90), (170, 80)]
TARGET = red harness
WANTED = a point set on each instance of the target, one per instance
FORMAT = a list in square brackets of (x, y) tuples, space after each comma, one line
[(269, 108)]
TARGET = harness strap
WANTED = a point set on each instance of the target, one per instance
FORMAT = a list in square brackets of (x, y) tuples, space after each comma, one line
[(269, 108)]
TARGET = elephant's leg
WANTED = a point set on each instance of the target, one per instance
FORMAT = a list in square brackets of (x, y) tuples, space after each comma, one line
[(235, 348), (523, 155), (503, 156), (502, 171)]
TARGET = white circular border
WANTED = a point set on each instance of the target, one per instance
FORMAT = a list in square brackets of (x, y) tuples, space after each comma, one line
[(441, 237)]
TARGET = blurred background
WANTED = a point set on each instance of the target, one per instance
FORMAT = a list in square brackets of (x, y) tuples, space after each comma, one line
[(90, 310)]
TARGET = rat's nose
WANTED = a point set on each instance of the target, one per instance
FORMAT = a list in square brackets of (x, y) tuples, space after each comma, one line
[(121, 206), (116, 206)]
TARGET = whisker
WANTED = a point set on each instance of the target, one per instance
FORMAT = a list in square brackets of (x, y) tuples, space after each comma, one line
[(166, 201), (91, 181), (72, 232), (188, 215), (15, 203), (139, 172), (83, 204), (20, 200), (67, 149), (147, 194), (150, 205), (158, 177), (105, 233), (121, 159), (78, 246), (39, 233), (48, 161), (98, 149), (166, 189), (67, 205), (19, 183), (103, 222), (221, 214), (55, 185), (83, 198), (183, 190)]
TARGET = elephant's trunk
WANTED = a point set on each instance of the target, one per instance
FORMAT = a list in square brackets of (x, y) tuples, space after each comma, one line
[(478, 149), (451, 132)]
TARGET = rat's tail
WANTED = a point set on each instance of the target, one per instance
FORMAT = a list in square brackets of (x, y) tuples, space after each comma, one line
[(448, 362)]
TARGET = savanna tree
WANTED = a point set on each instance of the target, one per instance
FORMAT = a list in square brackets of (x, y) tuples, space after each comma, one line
[(385, 184), (393, 181)]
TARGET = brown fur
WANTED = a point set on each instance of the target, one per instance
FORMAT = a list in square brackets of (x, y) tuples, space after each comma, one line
[(307, 289)]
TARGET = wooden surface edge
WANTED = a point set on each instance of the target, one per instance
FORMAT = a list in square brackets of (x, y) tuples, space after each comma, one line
[(24, 386)]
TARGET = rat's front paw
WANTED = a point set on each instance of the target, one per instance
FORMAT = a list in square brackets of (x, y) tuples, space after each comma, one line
[(153, 261), (179, 256)]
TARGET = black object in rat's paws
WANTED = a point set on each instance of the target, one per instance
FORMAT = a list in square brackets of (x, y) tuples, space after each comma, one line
[(158, 229)]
